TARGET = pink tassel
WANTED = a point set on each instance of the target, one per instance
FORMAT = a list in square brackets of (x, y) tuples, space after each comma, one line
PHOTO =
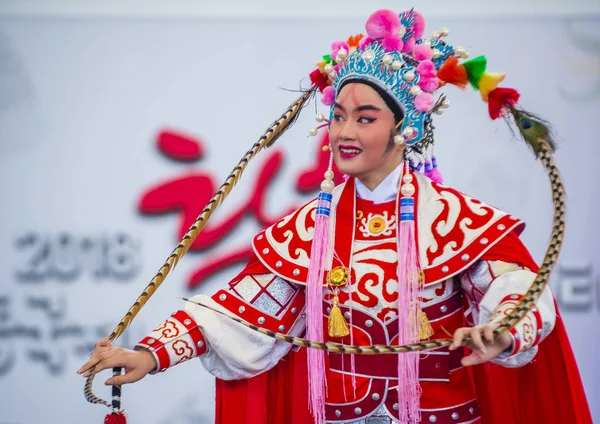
[(352, 361), (317, 383), (435, 175), (409, 391)]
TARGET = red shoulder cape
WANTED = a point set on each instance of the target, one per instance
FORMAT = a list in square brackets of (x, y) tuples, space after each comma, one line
[(547, 390)]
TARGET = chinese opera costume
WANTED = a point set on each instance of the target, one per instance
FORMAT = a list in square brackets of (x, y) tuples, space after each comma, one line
[(409, 262)]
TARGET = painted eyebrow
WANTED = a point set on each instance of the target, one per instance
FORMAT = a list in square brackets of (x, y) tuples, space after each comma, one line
[(339, 106), (368, 107), (359, 108)]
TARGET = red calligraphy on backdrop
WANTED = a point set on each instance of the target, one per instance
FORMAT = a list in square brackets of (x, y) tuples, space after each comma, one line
[(187, 193)]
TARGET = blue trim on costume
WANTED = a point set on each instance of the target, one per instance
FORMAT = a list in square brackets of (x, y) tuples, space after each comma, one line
[(325, 196), (407, 217)]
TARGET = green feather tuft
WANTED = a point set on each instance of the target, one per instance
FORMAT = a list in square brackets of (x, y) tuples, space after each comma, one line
[(475, 69)]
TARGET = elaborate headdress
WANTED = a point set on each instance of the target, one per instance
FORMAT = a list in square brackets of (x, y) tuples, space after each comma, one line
[(409, 68)]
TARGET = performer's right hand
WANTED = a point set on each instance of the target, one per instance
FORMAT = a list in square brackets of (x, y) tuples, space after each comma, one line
[(137, 364)]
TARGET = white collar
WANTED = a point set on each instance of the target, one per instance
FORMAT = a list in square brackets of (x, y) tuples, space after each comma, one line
[(385, 191)]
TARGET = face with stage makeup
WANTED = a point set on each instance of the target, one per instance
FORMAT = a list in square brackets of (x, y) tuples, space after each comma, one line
[(361, 134)]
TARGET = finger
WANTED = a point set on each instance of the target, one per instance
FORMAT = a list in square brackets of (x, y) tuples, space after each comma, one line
[(85, 368), (477, 341), (99, 350), (97, 356), (457, 339), (105, 342), (130, 377), (488, 333), (113, 361)]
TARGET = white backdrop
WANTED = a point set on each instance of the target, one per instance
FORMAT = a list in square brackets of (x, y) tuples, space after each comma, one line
[(82, 103)]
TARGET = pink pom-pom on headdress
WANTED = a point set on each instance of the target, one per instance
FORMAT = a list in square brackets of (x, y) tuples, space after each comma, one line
[(336, 46), (391, 44), (424, 102), (426, 69), (422, 52), (419, 25), (364, 42), (429, 84), (383, 23), (328, 96), (409, 45)]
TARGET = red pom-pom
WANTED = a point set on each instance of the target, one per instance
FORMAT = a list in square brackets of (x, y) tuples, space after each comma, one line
[(115, 418), (499, 98), (319, 79), (453, 73)]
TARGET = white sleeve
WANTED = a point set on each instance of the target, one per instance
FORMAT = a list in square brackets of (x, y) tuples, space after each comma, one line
[(493, 289), (236, 352), (227, 349)]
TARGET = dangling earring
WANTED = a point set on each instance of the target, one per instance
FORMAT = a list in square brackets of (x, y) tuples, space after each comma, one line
[(399, 139), (321, 119)]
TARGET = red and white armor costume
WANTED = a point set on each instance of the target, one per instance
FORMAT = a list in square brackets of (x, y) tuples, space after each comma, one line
[(466, 283)]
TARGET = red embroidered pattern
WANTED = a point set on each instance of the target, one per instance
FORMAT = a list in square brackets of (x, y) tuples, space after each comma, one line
[(468, 217), (289, 230), (168, 329), (180, 347)]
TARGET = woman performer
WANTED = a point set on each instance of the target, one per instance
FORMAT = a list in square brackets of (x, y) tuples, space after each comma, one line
[(391, 256)]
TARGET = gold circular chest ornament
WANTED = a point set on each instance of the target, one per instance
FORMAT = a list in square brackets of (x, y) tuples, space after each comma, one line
[(338, 276), (377, 225)]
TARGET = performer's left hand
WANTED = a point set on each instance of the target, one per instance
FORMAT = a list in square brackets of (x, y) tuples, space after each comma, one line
[(483, 345)]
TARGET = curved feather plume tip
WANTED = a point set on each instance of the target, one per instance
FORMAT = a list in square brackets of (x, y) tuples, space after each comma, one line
[(532, 128)]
